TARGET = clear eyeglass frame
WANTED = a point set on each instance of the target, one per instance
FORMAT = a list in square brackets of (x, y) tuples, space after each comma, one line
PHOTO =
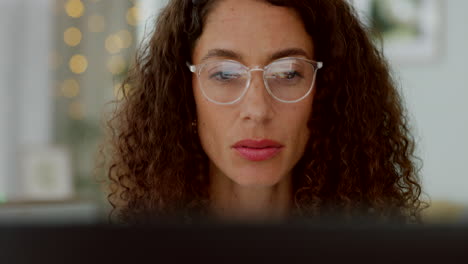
[(197, 70)]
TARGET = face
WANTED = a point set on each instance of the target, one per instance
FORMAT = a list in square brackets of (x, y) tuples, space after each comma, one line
[(258, 140)]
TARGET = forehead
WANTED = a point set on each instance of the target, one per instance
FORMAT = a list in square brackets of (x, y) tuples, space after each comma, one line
[(253, 29)]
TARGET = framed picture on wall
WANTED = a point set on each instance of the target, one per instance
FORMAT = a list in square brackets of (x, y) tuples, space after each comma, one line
[(409, 30), (45, 174)]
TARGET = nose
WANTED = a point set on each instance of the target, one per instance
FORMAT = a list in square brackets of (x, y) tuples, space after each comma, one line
[(256, 105)]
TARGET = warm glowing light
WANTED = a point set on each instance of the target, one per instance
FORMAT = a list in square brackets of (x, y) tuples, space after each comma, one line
[(116, 64), (76, 110), (132, 16), (70, 88), (126, 38), (78, 64), (72, 36), (120, 92), (96, 23), (113, 44), (74, 8)]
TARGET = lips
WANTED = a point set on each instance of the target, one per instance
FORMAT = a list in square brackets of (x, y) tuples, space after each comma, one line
[(257, 150)]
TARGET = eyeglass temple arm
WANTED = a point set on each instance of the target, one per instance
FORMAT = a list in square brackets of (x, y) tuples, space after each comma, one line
[(192, 68)]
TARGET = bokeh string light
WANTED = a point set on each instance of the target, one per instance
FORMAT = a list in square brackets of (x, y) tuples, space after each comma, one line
[(113, 44), (74, 8), (78, 64), (86, 18), (116, 64), (126, 38), (116, 42), (92, 43), (120, 91), (70, 88), (72, 36), (133, 16)]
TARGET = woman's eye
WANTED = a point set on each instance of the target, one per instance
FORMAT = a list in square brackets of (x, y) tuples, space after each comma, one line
[(289, 75), (224, 76)]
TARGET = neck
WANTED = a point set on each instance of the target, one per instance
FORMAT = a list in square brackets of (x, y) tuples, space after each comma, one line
[(232, 202)]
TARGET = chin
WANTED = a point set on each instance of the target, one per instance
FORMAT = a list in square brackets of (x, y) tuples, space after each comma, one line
[(256, 178)]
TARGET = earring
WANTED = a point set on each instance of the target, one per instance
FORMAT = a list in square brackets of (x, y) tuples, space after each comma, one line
[(194, 126)]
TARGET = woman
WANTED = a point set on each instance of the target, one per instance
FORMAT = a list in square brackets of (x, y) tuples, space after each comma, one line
[(261, 110)]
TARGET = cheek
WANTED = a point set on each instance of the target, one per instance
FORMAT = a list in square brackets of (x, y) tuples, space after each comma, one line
[(303, 134), (209, 121), (206, 139), (201, 106), (302, 114), (213, 133)]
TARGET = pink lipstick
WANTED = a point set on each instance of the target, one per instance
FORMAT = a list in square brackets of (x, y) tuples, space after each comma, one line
[(257, 150)]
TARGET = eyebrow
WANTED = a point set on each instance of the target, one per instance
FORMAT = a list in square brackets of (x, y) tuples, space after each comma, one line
[(288, 53), (230, 54), (224, 53)]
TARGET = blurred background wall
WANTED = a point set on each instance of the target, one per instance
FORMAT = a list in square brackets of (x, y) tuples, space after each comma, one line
[(434, 82), (63, 60), (26, 101), (436, 92)]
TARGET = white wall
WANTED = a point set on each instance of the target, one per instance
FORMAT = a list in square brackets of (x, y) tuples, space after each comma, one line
[(437, 96), (149, 11), (25, 96)]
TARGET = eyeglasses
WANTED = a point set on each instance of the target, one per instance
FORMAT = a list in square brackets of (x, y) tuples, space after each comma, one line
[(288, 80)]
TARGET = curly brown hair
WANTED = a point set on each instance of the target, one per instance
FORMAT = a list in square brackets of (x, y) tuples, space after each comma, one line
[(360, 154)]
